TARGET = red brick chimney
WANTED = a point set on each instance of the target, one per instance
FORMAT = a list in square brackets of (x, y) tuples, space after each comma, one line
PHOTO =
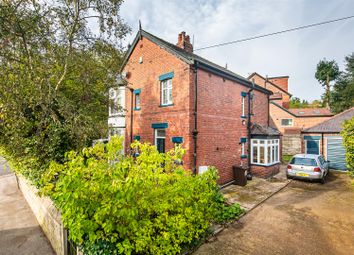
[(281, 81), (184, 42)]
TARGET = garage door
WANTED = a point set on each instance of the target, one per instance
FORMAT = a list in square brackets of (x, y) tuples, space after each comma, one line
[(336, 153)]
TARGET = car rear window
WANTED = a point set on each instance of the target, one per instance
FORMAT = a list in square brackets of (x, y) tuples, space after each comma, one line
[(303, 161)]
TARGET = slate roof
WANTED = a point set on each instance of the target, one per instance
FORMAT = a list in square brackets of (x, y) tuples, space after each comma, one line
[(305, 112), (191, 58), (332, 125), (257, 129)]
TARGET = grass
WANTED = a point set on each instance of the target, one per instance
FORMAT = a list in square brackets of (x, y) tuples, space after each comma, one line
[(286, 158)]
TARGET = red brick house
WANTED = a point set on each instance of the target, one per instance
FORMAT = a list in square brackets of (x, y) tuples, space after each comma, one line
[(290, 122), (180, 97)]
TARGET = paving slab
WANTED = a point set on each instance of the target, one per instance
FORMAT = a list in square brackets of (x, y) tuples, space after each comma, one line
[(20, 233), (256, 190)]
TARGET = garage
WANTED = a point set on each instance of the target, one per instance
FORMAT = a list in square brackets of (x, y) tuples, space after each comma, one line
[(335, 152), (325, 138)]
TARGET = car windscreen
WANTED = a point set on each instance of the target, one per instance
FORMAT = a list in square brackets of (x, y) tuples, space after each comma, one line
[(303, 161)]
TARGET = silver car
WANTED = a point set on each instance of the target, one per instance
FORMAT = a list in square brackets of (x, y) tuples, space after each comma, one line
[(308, 166)]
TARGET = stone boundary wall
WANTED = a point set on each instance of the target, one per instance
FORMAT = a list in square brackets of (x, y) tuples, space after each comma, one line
[(291, 144), (47, 216)]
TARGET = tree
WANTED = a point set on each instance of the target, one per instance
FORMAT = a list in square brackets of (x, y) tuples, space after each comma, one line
[(296, 102), (326, 72), (55, 72), (348, 141), (342, 96)]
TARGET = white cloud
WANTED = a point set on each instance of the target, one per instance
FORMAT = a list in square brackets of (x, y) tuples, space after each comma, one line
[(295, 54)]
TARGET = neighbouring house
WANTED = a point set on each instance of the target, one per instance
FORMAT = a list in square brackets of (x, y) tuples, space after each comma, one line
[(177, 97), (325, 139), (290, 122)]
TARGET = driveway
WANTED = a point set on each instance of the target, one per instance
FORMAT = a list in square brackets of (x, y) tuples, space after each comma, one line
[(20, 233), (304, 218)]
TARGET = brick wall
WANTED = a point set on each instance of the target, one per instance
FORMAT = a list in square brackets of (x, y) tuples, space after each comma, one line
[(282, 82), (145, 76), (265, 171), (220, 125), (284, 101), (277, 114)]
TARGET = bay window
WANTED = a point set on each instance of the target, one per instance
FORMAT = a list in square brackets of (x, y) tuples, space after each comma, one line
[(264, 151)]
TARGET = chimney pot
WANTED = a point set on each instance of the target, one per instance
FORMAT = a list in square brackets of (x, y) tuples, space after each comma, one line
[(184, 42)]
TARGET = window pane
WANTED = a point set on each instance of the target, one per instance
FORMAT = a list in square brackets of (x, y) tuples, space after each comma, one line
[(164, 96), (160, 132), (270, 160), (170, 95), (137, 100), (255, 155), (277, 153), (303, 161), (287, 122), (261, 154)]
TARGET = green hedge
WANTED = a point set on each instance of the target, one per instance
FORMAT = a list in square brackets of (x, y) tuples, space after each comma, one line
[(348, 140), (121, 205)]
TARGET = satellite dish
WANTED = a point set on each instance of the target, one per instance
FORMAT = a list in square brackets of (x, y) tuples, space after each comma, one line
[(124, 74)]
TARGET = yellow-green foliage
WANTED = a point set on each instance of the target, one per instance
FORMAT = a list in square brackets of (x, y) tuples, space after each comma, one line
[(348, 139), (147, 205)]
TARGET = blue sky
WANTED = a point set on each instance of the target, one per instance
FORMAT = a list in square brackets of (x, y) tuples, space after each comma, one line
[(211, 21)]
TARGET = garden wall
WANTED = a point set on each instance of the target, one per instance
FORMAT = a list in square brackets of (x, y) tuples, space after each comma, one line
[(47, 216)]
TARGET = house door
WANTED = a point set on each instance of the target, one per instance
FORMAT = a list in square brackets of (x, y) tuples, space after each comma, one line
[(160, 138), (313, 147)]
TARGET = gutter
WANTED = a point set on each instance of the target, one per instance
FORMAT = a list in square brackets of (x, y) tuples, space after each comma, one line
[(195, 130)]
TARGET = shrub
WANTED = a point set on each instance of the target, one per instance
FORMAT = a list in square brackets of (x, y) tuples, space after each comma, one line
[(149, 204), (348, 140)]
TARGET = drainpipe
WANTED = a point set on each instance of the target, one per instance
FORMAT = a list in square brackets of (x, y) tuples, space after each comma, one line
[(322, 141), (195, 131), (131, 113), (249, 123)]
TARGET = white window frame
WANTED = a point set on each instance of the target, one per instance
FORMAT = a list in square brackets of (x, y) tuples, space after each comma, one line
[(166, 85), (269, 146), (291, 125), (319, 146), (243, 106)]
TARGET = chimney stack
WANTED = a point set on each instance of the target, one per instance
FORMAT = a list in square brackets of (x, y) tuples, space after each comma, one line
[(184, 42)]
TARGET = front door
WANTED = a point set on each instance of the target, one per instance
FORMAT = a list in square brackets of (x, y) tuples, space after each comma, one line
[(313, 147)]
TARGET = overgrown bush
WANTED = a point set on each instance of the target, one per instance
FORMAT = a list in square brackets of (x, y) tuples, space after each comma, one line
[(114, 204), (348, 140)]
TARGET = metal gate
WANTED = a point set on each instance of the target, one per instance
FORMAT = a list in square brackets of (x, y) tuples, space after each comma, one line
[(336, 153)]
